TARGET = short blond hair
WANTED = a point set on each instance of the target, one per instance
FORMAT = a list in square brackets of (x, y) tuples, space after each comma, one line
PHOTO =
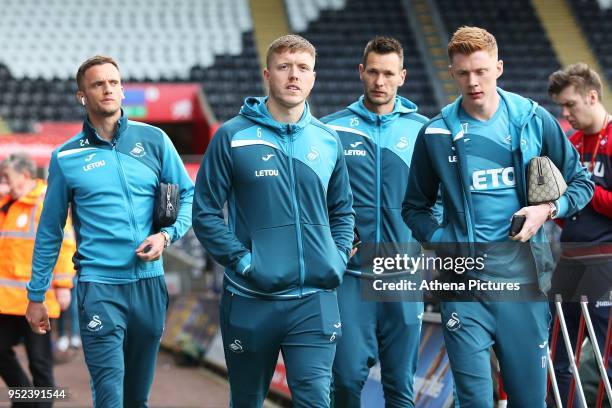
[(468, 40), (291, 43)]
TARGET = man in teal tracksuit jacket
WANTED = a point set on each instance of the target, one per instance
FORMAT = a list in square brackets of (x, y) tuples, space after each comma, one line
[(108, 176), (476, 152), (378, 134), (288, 234)]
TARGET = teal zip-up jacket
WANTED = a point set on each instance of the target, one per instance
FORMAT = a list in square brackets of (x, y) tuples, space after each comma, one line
[(289, 203), (110, 188), (439, 160), (378, 150)]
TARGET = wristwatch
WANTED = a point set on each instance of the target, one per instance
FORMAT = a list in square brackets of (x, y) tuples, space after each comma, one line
[(553, 211), (166, 238)]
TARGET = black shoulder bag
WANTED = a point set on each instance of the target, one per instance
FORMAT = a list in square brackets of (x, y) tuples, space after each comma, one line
[(167, 204)]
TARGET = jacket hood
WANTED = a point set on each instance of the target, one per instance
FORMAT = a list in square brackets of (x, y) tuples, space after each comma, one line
[(255, 109), (401, 106), (520, 110)]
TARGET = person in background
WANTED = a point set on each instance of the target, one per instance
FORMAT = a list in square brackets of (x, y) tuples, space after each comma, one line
[(585, 269), (4, 189), (20, 212)]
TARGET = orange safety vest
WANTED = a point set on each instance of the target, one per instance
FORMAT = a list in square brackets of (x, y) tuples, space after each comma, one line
[(18, 225)]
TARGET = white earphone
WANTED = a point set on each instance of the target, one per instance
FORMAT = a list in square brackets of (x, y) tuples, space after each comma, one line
[(83, 100)]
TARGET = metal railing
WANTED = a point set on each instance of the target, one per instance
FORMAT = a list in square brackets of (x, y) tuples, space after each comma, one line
[(576, 386)]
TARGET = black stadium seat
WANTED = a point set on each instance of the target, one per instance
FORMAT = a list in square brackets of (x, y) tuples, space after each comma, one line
[(523, 45), (340, 37), (595, 23)]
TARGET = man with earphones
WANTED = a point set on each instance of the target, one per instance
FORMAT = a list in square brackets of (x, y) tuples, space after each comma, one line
[(108, 176)]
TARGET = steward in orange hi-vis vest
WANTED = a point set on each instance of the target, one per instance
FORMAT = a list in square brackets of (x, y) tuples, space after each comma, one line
[(18, 224)]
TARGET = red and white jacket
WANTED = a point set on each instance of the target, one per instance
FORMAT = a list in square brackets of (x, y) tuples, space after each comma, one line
[(594, 222)]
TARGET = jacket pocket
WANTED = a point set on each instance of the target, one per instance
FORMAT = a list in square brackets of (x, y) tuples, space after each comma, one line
[(324, 265), (443, 234), (96, 312), (275, 261), (81, 293)]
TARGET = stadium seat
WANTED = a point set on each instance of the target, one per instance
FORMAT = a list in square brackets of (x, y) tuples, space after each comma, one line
[(153, 40), (523, 45), (53, 37), (340, 29), (594, 22)]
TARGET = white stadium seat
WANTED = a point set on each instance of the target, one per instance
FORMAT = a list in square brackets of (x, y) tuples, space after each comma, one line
[(51, 38)]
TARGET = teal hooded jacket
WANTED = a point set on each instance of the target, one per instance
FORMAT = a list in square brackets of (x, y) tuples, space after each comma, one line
[(439, 162), (378, 150), (110, 189), (289, 204)]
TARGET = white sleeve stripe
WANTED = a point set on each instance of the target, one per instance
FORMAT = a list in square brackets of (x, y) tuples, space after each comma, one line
[(73, 151), (349, 130), (437, 131), (240, 143)]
